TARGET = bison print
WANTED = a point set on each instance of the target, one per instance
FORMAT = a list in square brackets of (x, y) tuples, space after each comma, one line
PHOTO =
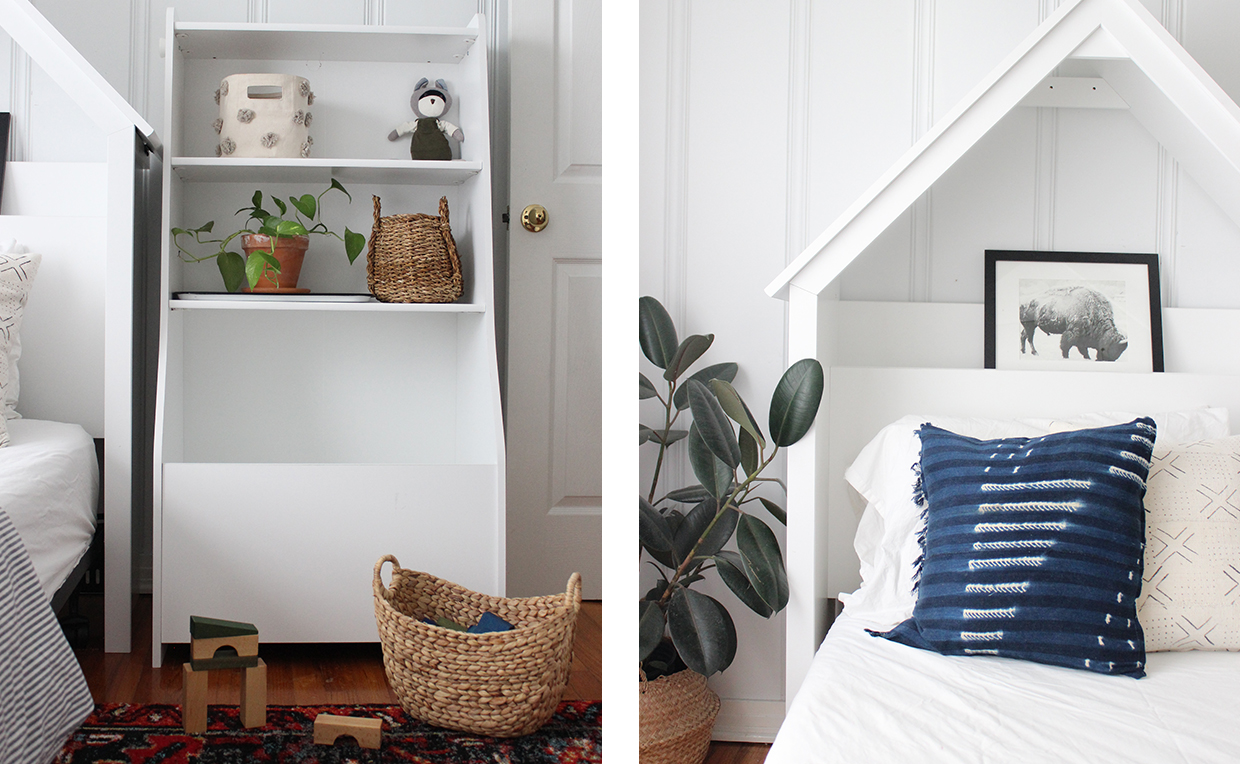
[(1082, 317)]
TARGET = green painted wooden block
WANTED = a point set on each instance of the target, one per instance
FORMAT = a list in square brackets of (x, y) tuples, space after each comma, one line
[(210, 628)]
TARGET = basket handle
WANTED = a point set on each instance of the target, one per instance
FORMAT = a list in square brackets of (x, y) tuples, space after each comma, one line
[(378, 211), (380, 589), (572, 595)]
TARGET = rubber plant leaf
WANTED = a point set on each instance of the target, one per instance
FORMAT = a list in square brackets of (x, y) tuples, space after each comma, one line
[(724, 371), (686, 353), (650, 628), (695, 524), (645, 388), (690, 495), (711, 472), (776, 511), (652, 528), (732, 571), (732, 404), (671, 437), (702, 631), (713, 424), (795, 402), (656, 332), (750, 455), (763, 563)]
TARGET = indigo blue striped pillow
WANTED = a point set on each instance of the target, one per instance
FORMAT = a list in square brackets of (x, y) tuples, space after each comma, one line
[(1033, 547)]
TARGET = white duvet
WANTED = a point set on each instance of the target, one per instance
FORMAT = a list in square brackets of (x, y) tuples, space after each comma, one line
[(870, 700), (49, 485)]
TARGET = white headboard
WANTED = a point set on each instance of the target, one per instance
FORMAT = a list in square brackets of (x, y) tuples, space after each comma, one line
[(57, 209), (864, 400)]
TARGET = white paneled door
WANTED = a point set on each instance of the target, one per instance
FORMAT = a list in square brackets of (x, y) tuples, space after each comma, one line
[(555, 290)]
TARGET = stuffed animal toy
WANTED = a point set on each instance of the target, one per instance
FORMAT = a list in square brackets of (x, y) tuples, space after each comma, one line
[(430, 133)]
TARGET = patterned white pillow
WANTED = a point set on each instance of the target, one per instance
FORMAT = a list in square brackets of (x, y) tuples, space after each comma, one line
[(1190, 598), (17, 272)]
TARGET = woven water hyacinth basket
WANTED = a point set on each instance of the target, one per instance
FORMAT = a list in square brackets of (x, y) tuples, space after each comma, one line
[(502, 684), (413, 258), (677, 714)]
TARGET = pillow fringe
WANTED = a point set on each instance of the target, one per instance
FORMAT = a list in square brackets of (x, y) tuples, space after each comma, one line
[(920, 499)]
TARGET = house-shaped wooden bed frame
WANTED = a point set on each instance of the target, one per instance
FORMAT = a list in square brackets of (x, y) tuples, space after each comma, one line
[(1130, 60), (77, 214)]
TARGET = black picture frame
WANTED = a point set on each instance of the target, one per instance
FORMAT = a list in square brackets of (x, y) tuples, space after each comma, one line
[(1126, 282), (4, 147)]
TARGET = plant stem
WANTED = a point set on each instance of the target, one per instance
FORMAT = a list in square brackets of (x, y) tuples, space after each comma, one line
[(730, 502), (668, 421)]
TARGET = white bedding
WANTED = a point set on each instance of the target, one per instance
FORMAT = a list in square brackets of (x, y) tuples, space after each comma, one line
[(49, 485), (870, 700)]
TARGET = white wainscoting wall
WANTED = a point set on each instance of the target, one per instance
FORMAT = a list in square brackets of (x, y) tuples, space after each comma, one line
[(761, 122)]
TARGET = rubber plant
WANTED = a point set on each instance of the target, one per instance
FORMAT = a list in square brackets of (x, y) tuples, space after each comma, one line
[(237, 269), (684, 531)]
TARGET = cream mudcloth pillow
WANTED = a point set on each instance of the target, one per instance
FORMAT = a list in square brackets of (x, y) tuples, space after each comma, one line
[(1190, 599), (17, 272)]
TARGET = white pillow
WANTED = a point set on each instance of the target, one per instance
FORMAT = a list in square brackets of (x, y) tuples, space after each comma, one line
[(17, 272), (883, 474), (1190, 597), (12, 247)]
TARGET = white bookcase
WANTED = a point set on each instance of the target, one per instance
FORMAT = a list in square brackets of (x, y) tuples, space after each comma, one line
[(297, 442)]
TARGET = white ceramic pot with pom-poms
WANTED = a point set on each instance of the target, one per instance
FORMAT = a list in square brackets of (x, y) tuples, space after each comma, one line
[(264, 115)]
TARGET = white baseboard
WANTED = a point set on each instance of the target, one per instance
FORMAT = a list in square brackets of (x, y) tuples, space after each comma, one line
[(748, 721)]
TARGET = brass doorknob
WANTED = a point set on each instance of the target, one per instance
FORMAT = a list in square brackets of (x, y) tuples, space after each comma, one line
[(534, 218)]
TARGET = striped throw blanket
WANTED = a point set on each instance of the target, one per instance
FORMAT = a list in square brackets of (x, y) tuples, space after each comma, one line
[(43, 695)]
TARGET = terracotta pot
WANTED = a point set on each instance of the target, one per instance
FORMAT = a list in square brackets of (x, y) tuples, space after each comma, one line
[(677, 714), (290, 251)]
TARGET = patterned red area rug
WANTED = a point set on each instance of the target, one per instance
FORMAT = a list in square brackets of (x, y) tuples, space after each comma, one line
[(146, 734)]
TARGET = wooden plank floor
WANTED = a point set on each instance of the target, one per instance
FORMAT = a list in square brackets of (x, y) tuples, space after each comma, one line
[(297, 674), (314, 674)]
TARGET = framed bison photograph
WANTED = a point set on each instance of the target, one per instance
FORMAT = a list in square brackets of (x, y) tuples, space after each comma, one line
[(1090, 311)]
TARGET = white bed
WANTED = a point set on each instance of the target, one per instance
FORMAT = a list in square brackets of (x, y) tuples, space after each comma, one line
[(49, 486), (867, 699)]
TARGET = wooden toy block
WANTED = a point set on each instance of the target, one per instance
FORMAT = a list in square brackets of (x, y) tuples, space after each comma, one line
[(367, 732), (225, 658), (204, 649), (209, 628), (193, 700), (254, 696)]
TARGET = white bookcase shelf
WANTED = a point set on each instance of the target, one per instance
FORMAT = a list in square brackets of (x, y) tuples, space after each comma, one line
[(320, 171), (298, 439), (340, 307)]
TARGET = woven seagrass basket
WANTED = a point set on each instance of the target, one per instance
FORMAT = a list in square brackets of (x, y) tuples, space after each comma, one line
[(677, 714), (502, 684), (412, 258)]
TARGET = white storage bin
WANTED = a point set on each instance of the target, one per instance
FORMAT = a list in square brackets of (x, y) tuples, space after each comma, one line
[(264, 115)]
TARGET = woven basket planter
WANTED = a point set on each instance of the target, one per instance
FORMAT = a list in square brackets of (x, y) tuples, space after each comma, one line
[(502, 684), (677, 715)]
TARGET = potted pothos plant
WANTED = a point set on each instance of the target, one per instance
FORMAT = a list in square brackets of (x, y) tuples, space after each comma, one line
[(684, 531), (274, 245)]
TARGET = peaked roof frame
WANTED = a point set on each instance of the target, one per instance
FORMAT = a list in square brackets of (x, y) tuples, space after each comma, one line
[(1166, 91), (48, 48)]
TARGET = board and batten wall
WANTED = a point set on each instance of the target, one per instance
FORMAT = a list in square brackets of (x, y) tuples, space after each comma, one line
[(762, 121), (122, 39)]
